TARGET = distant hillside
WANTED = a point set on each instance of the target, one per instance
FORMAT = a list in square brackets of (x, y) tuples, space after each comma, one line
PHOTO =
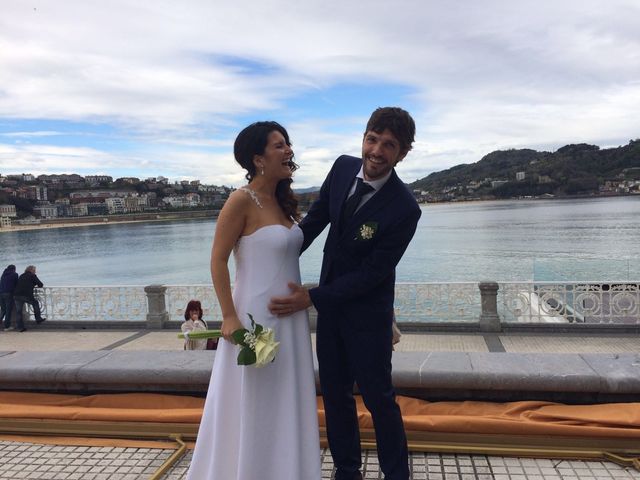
[(306, 190), (571, 170)]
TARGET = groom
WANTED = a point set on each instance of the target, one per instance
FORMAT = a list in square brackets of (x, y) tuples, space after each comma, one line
[(372, 218)]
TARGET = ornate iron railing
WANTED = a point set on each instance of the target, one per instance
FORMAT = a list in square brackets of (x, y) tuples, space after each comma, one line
[(177, 297), (415, 302), (553, 302), (95, 303), (517, 302)]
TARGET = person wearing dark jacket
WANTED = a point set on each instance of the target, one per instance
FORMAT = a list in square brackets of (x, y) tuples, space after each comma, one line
[(8, 283), (24, 294)]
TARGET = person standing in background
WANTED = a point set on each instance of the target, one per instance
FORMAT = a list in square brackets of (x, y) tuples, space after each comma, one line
[(24, 294), (7, 286), (193, 322)]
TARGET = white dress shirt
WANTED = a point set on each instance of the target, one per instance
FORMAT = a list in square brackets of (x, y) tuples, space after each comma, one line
[(376, 184)]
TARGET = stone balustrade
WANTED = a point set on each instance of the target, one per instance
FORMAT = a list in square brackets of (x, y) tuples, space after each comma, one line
[(486, 306)]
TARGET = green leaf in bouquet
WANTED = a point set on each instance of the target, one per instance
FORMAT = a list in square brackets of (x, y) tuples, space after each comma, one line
[(255, 327), (238, 336), (246, 356)]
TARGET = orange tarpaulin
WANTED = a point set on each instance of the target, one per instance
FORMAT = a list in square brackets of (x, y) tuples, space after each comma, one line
[(515, 418), (620, 420)]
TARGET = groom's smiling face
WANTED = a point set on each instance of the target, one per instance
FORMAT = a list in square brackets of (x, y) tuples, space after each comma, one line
[(380, 153)]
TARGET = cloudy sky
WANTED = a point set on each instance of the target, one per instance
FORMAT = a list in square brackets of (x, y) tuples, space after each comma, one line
[(148, 88)]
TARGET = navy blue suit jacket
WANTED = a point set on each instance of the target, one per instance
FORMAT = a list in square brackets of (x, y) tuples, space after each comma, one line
[(357, 279)]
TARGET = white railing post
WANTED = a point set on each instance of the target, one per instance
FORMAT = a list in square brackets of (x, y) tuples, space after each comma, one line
[(157, 310), (489, 318)]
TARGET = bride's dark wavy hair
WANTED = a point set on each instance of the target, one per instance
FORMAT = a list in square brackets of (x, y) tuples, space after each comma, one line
[(252, 141)]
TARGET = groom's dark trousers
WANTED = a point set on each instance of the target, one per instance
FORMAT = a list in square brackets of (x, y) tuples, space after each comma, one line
[(354, 300)]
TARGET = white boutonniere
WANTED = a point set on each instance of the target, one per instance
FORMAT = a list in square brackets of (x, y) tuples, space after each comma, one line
[(367, 231)]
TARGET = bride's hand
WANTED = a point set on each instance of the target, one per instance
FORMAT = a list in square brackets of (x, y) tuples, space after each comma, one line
[(230, 325)]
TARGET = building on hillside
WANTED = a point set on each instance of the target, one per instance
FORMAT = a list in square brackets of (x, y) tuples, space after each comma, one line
[(80, 209), (520, 176), (128, 180), (97, 208), (5, 222), (214, 189), (22, 177), (38, 192), (193, 199), (69, 179), (64, 207), (8, 211), (94, 180), (95, 195), (497, 183), (544, 179), (176, 201), (46, 210), (30, 220), (26, 193), (134, 204), (145, 199), (152, 199), (115, 205)]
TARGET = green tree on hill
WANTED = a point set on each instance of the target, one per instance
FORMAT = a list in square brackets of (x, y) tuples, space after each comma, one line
[(575, 169)]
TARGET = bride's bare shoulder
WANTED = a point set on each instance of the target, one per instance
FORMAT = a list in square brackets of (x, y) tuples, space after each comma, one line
[(239, 199)]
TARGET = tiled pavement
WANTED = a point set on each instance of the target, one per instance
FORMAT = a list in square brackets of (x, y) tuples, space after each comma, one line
[(56, 462), (38, 339)]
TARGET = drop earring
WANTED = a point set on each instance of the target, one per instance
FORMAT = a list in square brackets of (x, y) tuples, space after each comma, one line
[(262, 171)]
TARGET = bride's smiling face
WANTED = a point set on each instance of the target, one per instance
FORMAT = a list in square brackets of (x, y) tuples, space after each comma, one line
[(277, 157)]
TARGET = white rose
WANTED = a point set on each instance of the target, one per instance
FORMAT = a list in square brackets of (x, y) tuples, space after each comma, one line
[(266, 347)]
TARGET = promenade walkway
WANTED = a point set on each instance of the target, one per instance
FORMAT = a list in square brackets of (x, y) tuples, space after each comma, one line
[(40, 339), (60, 459)]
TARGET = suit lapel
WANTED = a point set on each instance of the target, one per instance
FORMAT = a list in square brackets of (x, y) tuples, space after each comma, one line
[(343, 191)]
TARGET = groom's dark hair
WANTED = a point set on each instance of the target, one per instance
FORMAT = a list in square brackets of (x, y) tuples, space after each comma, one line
[(397, 121)]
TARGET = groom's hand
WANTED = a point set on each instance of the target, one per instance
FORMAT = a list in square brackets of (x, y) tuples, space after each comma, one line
[(298, 300)]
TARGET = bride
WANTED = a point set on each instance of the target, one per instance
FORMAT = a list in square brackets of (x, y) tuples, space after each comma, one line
[(259, 423)]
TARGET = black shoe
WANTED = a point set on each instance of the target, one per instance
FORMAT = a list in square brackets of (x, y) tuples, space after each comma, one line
[(354, 476), (22, 329), (41, 320)]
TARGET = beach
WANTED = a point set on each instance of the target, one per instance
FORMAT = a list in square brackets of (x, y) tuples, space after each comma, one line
[(112, 220)]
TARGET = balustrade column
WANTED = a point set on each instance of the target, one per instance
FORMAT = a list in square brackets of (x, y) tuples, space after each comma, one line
[(158, 314), (489, 319)]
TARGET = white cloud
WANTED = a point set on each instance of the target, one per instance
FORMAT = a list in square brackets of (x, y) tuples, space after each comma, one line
[(174, 80)]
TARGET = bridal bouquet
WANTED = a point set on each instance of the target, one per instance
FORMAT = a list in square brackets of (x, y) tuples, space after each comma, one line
[(257, 345)]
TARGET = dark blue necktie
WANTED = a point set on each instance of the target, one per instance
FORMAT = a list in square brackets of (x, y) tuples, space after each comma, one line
[(354, 200)]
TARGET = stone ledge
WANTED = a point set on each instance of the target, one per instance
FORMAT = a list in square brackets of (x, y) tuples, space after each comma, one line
[(430, 375)]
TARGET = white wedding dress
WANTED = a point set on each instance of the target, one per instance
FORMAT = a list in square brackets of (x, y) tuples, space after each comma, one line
[(261, 423)]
